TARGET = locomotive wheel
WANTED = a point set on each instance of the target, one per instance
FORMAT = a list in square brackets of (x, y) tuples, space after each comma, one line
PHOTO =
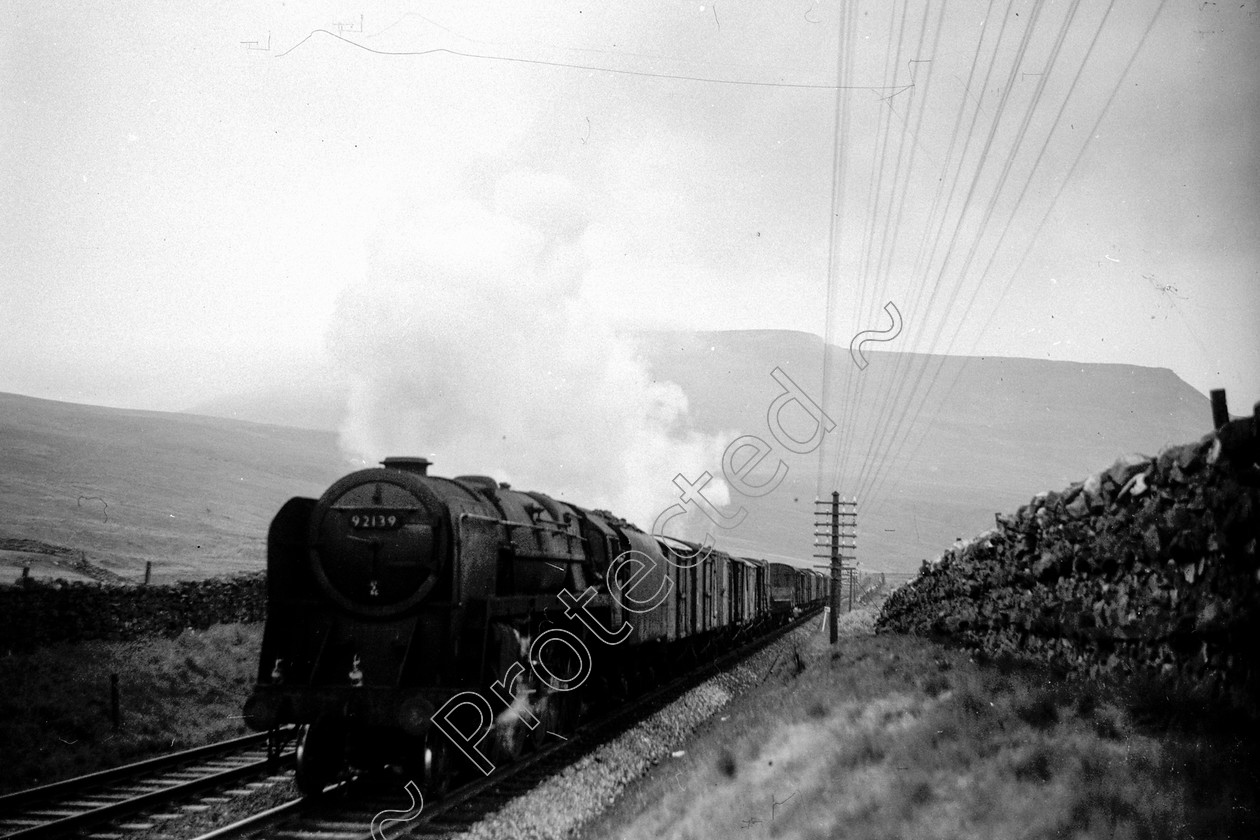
[(437, 769), (320, 750)]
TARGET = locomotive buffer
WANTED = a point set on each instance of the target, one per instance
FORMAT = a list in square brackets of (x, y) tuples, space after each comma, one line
[(836, 521)]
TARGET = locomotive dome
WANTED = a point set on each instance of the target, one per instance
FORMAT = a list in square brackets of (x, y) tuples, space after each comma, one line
[(396, 597), (376, 538)]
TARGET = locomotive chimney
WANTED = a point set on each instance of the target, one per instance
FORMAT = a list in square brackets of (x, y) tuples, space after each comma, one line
[(408, 464)]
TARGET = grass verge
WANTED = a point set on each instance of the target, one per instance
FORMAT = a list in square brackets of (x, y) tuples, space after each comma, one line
[(55, 712), (895, 736)]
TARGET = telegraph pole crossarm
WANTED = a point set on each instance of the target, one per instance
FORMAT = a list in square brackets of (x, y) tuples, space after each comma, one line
[(833, 626)]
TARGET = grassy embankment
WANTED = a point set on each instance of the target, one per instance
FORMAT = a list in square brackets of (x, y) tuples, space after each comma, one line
[(55, 717), (885, 736), (895, 736)]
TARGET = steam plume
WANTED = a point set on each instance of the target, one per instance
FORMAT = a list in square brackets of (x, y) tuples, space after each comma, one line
[(470, 343)]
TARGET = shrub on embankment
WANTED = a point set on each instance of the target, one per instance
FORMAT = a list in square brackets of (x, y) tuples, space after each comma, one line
[(35, 613), (1148, 568)]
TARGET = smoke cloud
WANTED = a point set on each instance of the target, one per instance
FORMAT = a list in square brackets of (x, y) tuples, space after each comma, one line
[(469, 342)]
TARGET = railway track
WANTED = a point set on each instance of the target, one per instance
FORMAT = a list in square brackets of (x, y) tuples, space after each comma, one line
[(111, 803), (347, 809)]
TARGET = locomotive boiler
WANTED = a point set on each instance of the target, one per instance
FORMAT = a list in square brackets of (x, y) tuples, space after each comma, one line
[(409, 614)]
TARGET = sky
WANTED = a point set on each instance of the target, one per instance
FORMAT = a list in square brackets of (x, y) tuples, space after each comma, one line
[(201, 199)]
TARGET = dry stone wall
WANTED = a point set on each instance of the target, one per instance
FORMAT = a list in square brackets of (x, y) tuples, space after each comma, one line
[(36, 613), (1148, 566)]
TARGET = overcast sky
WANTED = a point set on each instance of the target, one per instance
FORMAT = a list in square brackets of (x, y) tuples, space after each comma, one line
[(188, 215)]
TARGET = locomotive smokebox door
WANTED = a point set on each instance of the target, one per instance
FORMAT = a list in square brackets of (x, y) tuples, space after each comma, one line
[(376, 543)]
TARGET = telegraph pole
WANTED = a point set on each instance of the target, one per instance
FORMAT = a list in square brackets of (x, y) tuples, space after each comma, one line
[(828, 518), (827, 526), (848, 531)]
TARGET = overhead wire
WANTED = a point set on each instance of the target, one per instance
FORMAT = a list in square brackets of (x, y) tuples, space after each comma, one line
[(568, 65), (889, 401), (1063, 184), (919, 327), (857, 277), (888, 249), (983, 226), (990, 206), (1025, 40), (872, 261), (997, 247), (835, 225), (874, 192)]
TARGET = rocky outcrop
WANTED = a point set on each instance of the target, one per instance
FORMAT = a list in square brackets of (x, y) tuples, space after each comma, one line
[(1147, 566)]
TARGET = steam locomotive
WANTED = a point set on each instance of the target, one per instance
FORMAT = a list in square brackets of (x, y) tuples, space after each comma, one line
[(431, 623)]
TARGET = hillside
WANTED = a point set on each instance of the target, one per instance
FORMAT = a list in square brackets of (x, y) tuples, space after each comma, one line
[(192, 494), (1008, 428)]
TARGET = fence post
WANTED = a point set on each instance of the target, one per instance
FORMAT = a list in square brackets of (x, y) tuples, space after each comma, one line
[(1255, 432), (1220, 413), (113, 700), (148, 571)]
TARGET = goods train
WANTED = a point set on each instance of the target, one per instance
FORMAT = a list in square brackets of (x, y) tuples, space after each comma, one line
[(411, 617)]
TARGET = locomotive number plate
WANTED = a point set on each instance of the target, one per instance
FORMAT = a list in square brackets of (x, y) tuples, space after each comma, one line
[(376, 519)]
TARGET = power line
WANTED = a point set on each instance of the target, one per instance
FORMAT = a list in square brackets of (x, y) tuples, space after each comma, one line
[(844, 58), (874, 190), (1059, 192), (894, 376), (1001, 183), (887, 249), (972, 189), (570, 66), (920, 326)]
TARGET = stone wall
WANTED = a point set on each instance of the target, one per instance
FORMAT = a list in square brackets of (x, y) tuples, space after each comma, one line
[(1149, 566), (35, 613)]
